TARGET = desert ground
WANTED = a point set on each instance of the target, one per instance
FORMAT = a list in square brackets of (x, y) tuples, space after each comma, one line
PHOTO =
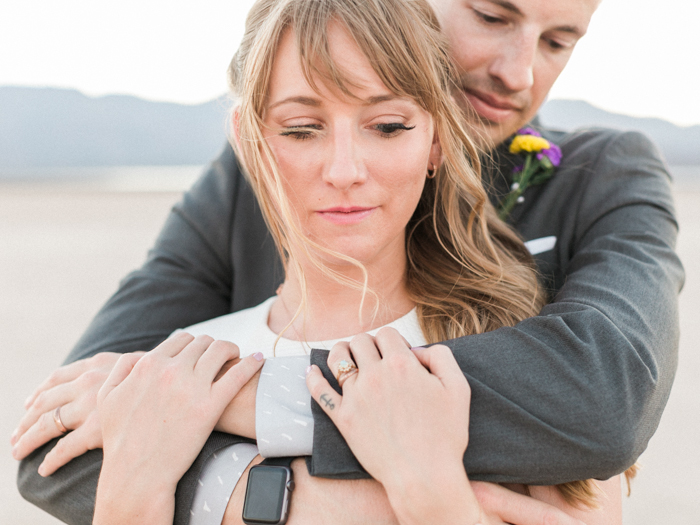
[(64, 247)]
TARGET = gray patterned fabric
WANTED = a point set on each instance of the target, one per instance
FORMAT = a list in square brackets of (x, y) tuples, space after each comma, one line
[(284, 425), (219, 477)]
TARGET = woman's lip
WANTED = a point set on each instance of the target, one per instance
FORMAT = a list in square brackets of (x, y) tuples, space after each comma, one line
[(490, 109), (343, 215)]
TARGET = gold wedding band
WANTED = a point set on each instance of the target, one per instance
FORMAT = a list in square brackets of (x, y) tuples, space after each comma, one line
[(345, 370), (57, 419)]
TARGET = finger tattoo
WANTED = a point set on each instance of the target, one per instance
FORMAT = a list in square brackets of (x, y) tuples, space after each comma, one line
[(327, 400)]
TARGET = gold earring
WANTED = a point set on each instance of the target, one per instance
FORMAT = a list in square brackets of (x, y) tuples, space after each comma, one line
[(431, 172)]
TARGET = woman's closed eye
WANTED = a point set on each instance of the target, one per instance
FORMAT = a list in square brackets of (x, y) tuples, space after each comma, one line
[(301, 132), (391, 129)]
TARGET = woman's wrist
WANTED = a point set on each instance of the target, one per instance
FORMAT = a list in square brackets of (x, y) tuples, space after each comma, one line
[(436, 495), (239, 416)]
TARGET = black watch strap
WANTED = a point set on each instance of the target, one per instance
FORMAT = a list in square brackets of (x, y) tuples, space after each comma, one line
[(278, 462)]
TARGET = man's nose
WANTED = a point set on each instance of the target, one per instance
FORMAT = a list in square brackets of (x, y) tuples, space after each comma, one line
[(514, 66), (345, 166)]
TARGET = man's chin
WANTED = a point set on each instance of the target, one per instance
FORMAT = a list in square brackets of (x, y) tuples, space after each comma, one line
[(488, 135)]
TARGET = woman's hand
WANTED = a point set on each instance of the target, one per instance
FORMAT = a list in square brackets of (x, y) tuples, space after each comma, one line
[(405, 415), (156, 413), (73, 388)]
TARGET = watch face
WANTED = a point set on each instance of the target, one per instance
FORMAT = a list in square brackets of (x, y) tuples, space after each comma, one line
[(264, 497)]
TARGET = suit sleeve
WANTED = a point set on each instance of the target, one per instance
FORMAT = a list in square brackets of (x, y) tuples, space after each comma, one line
[(577, 391), (187, 278)]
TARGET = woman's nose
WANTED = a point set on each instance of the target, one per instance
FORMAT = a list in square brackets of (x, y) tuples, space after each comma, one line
[(344, 167)]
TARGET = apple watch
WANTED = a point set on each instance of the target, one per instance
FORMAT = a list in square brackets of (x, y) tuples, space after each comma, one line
[(268, 492)]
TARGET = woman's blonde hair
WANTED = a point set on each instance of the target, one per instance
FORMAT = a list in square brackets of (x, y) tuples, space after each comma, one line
[(467, 271)]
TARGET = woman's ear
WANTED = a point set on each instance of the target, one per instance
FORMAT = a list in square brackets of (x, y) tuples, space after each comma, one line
[(236, 126), (435, 157)]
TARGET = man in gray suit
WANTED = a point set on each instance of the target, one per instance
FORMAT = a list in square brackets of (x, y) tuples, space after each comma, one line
[(573, 393)]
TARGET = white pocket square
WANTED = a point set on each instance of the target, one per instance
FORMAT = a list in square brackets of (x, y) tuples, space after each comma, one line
[(543, 244)]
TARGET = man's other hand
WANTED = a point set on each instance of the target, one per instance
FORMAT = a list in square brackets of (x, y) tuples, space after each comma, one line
[(72, 388)]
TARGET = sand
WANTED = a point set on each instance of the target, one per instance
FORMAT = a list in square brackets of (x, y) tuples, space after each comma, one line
[(63, 249)]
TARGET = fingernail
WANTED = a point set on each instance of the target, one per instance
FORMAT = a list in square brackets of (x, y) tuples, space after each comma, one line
[(415, 348), (42, 471), (26, 402), (258, 356), (13, 438), (14, 452), (309, 369)]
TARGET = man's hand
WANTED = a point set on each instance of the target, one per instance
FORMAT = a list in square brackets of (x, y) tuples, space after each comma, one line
[(73, 388)]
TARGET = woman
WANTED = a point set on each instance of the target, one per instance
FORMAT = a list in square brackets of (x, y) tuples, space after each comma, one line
[(370, 186)]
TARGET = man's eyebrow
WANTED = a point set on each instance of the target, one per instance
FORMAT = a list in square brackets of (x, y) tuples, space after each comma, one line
[(512, 8), (508, 6), (306, 101)]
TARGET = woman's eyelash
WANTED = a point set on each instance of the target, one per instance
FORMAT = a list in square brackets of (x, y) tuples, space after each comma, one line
[(306, 132), (392, 128), (300, 132)]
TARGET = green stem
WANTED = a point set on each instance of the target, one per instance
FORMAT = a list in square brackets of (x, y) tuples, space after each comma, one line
[(509, 203), (512, 198)]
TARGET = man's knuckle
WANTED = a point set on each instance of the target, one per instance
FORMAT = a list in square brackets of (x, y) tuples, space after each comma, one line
[(99, 359), (92, 378), (205, 339), (40, 402), (226, 348), (43, 424)]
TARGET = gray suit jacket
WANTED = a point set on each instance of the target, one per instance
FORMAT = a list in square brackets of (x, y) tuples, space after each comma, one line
[(573, 393)]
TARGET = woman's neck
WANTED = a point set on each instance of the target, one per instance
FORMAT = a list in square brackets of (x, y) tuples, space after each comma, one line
[(333, 309)]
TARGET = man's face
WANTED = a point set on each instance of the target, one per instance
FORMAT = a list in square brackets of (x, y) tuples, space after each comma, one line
[(510, 52)]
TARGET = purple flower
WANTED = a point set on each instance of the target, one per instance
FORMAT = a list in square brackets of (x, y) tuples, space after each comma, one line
[(529, 131), (553, 153)]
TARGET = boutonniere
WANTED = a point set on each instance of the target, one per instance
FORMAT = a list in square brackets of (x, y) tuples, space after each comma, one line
[(541, 157)]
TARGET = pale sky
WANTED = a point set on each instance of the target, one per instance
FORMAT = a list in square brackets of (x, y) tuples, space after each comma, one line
[(640, 57)]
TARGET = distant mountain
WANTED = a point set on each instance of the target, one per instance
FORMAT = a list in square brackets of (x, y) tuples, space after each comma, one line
[(50, 127), (680, 145)]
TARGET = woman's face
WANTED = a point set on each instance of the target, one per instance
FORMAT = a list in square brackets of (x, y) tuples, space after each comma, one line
[(353, 169)]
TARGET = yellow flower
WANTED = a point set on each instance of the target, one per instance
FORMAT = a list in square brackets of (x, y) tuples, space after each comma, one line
[(528, 143)]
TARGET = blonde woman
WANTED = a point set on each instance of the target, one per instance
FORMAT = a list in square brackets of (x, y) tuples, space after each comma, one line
[(370, 186)]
